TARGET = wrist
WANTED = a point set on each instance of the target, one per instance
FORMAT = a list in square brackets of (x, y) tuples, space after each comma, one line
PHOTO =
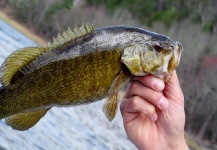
[(178, 145)]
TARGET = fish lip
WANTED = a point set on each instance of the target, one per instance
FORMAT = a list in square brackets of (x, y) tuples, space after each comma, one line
[(180, 47), (178, 50)]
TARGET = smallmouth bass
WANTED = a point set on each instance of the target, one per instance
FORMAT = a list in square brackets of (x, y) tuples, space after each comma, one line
[(81, 66)]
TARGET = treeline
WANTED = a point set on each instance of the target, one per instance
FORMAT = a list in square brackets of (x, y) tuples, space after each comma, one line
[(202, 12), (168, 11)]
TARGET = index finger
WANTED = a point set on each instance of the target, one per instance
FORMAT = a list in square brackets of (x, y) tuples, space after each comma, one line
[(151, 82)]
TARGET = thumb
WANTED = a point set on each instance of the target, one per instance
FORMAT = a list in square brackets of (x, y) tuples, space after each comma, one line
[(172, 90)]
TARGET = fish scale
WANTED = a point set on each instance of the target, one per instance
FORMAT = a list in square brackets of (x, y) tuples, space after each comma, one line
[(81, 66)]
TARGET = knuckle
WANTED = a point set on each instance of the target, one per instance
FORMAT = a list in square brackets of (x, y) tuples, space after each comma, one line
[(134, 101), (133, 85), (150, 110)]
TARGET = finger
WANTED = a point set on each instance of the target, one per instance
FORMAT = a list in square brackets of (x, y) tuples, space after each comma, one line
[(132, 107), (152, 96), (151, 82), (172, 89)]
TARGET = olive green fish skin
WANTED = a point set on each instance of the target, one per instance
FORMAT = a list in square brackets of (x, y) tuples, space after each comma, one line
[(78, 72), (67, 82)]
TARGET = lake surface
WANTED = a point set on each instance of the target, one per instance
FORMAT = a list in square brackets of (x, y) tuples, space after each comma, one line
[(80, 128)]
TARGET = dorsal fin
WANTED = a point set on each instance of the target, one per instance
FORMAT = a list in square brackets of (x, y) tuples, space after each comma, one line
[(71, 34), (20, 58), (16, 61)]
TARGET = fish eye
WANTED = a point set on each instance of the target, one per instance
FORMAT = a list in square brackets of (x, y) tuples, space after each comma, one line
[(158, 48)]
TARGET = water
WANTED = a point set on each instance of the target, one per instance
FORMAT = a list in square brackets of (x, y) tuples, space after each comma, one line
[(81, 127)]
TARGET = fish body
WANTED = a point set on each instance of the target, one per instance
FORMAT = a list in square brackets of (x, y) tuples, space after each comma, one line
[(81, 66)]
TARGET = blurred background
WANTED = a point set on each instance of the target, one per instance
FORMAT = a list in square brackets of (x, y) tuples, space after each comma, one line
[(191, 22)]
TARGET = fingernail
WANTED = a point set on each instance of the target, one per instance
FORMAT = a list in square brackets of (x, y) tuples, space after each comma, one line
[(156, 86), (163, 103), (154, 117)]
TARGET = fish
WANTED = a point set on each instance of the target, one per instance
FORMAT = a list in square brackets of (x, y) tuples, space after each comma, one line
[(82, 65)]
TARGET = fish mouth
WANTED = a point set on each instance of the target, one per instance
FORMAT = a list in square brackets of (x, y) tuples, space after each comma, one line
[(178, 52), (173, 62), (180, 47), (175, 59)]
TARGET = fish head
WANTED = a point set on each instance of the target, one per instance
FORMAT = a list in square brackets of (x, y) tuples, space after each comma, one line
[(158, 56)]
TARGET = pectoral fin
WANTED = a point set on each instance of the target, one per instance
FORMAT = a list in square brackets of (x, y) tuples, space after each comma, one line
[(110, 107), (111, 104), (24, 121)]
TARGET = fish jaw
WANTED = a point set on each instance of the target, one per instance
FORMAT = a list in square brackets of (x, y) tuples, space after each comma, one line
[(177, 53)]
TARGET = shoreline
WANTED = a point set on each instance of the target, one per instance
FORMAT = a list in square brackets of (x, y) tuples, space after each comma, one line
[(27, 32)]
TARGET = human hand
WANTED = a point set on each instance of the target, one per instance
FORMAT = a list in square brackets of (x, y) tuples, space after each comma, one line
[(153, 113)]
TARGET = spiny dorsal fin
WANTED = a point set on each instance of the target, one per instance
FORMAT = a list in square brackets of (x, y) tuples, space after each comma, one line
[(71, 34), (24, 121), (16, 61)]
